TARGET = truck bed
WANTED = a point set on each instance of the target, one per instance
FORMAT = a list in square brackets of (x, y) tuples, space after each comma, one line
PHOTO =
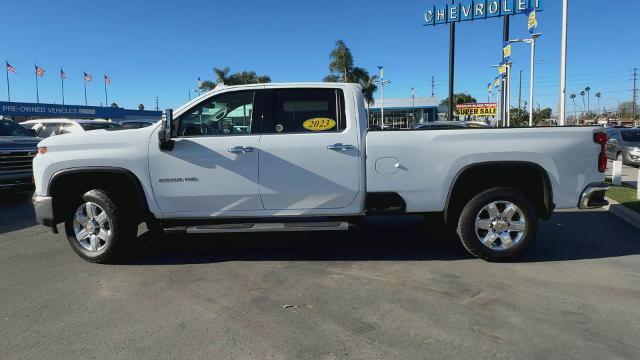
[(421, 165)]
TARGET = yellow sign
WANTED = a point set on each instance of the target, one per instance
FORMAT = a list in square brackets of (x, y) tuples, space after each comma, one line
[(486, 109), (502, 69), (506, 51), (319, 124)]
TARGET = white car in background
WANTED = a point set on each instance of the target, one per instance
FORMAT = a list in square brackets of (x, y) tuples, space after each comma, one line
[(50, 127)]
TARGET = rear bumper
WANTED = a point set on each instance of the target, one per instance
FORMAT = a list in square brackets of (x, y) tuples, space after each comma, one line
[(593, 196), (43, 206)]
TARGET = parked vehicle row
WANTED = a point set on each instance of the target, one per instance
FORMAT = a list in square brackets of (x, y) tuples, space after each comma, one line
[(18, 147), (299, 157)]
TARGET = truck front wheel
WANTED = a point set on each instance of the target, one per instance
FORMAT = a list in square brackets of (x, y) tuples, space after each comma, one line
[(497, 224), (95, 227)]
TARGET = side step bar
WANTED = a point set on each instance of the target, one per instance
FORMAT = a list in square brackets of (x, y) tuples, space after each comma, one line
[(259, 227)]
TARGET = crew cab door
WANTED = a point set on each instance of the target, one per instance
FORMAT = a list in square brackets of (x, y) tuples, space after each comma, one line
[(310, 155), (212, 169)]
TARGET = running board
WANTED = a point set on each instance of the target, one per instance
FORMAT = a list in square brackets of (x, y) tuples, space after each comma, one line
[(259, 227)]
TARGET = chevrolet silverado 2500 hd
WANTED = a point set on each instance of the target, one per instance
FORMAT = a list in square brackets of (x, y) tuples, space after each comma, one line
[(298, 157)]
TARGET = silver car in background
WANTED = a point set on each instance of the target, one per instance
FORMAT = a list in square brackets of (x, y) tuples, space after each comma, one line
[(624, 145)]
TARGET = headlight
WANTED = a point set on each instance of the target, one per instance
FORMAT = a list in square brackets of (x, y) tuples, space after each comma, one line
[(633, 149)]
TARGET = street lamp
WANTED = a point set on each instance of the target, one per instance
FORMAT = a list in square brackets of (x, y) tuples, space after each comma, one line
[(382, 82), (531, 41), (506, 88), (413, 103)]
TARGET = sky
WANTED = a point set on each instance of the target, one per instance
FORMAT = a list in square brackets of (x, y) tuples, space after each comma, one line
[(159, 48)]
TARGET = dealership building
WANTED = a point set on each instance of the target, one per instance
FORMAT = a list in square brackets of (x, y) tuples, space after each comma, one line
[(19, 112), (404, 112)]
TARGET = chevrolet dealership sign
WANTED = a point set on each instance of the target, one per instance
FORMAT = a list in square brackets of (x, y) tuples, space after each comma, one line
[(478, 9)]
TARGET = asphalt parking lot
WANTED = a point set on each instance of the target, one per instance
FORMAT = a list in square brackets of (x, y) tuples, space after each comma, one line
[(388, 291)]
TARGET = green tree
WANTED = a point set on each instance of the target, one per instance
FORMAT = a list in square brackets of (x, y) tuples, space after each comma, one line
[(341, 65), (598, 96), (141, 107), (224, 76), (342, 69), (114, 105), (461, 98), (520, 118), (588, 90)]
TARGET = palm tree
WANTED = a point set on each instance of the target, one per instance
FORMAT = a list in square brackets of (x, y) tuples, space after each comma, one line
[(583, 93), (588, 89), (573, 98), (598, 95), (222, 75), (369, 87)]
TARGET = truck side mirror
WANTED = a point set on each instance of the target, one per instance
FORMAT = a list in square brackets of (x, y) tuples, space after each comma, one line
[(166, 130)]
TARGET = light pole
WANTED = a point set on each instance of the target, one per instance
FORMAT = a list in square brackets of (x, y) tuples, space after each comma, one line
[(382, 83), (413, 104), (502, 98), (563, 62), (531, 41)]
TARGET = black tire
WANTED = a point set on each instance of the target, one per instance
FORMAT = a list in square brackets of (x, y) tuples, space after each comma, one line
[(467, 224), (121, 231)]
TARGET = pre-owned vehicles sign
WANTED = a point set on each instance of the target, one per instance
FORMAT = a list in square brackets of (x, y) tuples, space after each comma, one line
[(484, 109)]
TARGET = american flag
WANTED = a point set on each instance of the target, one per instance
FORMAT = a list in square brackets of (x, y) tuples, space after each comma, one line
[(10, 68), (39, 71), (62, 74), (87, 77), (107, 80)]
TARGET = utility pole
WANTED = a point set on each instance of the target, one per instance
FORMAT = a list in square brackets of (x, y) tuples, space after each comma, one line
[(635, 94), (433, 86), (520, 93), (452, 62), (157, 107)]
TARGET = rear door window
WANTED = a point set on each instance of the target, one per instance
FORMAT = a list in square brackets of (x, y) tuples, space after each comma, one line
[(304, 111)]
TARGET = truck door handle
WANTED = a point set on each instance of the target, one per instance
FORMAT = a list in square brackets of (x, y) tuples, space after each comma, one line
[(240, 149), (340, 147)]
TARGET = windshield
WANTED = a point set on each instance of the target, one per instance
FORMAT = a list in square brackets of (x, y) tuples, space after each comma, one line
[(98, 126), (630, 135), (10, 128)]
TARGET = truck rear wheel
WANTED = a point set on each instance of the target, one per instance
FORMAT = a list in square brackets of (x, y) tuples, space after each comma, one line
[(497, 224), (95, 228)]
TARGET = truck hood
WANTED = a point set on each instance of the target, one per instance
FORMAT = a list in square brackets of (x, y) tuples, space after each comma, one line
[(18, 142), (97, 139)]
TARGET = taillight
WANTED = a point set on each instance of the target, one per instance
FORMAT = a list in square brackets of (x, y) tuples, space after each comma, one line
[(601, 138)]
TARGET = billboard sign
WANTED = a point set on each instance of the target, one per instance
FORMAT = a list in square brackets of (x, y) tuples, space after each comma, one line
[(69, 111), (478, 9), (472, 109)]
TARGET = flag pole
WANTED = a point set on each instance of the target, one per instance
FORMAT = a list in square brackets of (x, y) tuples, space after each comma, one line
[(84, 78), (62, 82), (6, 63), (106, 98), (37, 91)]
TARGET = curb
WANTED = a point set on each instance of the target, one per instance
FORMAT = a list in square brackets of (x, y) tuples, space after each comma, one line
[(624, 213)]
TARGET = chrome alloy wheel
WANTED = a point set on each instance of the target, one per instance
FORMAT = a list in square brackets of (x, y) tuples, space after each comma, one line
[(92, 227), (500, 225)]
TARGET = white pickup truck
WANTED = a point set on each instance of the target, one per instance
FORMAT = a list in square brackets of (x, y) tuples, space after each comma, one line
[(299, 157)]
